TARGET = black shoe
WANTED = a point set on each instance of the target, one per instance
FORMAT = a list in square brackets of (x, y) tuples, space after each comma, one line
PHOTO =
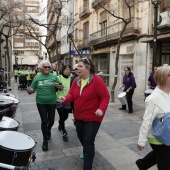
[(45, 146), (131, 111), (138, 163), (122, 108), (59, 127), (48, 134), (65, 138)]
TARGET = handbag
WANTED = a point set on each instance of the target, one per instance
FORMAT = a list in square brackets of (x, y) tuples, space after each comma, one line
[(161, 129)]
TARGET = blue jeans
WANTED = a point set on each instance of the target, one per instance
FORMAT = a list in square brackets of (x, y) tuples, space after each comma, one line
[(86, 132)]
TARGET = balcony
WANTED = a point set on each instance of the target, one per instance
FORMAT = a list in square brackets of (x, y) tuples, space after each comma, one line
[(84, 10), (112, 33), (95, 3), (83, 43)]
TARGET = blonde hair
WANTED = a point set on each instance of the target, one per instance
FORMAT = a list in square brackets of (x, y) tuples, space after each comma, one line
[(161, 74)]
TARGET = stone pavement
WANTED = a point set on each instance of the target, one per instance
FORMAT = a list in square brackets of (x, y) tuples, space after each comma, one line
[(115, 142)]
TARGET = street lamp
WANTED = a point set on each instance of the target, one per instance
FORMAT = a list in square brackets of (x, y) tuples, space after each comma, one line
[(156, 3)]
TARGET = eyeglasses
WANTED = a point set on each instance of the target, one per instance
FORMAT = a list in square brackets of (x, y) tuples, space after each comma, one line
[(86, 59), (46, 67)]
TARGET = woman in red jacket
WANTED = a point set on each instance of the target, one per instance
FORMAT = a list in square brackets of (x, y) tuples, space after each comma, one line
[(90, 96)]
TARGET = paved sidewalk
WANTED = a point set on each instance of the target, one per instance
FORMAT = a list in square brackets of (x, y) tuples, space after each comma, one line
[(115, 143)]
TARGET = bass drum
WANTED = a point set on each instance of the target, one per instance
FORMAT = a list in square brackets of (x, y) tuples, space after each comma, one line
[(16, 101), (12, 112), (16, 148), (8, 123), (7, 103)]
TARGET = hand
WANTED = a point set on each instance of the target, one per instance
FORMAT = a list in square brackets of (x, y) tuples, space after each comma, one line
[(127, 91), (140, 147), (29, 90), (62, 99), (99, 112), (58, 86)]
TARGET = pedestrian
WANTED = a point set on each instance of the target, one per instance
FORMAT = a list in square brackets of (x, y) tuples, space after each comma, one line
[(16, 74), (54, 69), (129, 85), (156, 105), (63, 109), (151, 82), (90, 96), (45, 86), (74, 75), (28, 74)]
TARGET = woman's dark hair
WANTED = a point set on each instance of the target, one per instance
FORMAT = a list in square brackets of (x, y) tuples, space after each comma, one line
[(88, 61), (129, 69), (64, 67)]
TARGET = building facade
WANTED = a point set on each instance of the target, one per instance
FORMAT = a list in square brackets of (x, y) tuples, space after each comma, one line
[(25, 47)]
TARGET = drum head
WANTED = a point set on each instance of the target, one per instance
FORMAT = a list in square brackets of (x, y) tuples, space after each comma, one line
[(10, 95), (8, 123), (16, 141), (122, 94), (7, 94), (10, 98), (4, 102), (148, 91)]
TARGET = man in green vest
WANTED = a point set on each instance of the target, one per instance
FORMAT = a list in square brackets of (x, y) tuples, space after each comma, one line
[(54, 69), (16, 74), (29, 75)]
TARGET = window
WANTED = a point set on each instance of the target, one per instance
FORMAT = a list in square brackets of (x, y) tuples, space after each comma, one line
[(33, 43), (18, 44), (32, 9), (19, 36), (18, 0), (103, 23), (103, 28)]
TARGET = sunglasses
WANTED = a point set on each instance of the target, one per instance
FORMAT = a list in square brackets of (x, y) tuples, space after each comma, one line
[(46, 67), (85, 59)]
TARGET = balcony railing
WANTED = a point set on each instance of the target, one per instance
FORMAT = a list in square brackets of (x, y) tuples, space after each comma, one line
[(83, 43), (84, 10), (95, 3), (113, 32)]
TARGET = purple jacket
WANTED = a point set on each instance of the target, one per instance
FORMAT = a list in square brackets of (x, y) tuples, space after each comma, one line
[(151, 80), (129, 81)]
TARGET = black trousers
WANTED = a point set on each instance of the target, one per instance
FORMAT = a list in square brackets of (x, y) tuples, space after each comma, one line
[(160, 155), (47, 115), (63, 116), (16, 78), (129, 96)]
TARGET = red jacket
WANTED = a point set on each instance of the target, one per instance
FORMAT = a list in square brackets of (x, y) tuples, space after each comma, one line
[(94, 96)]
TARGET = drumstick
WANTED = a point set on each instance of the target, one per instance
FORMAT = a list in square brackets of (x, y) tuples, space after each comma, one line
[(6, 166), (115, 89)]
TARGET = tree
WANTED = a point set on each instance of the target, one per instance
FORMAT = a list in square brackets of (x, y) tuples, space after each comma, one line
[(8, 21), (126, 6)]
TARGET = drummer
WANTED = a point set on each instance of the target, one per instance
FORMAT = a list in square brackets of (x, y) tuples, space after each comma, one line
[(129, 85), (151, 82)]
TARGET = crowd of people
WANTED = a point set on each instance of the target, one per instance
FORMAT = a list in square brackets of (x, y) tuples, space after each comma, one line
[(79, 92)]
